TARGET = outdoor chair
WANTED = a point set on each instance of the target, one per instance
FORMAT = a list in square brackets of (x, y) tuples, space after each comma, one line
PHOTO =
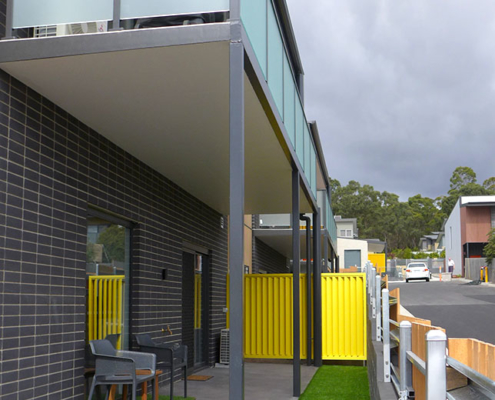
[(168, 356), (119, 367)]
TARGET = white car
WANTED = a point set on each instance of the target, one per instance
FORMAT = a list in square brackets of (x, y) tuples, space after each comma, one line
[(417, 270)]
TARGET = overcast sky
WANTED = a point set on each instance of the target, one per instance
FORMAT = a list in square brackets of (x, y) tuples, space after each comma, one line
[(403, 91)]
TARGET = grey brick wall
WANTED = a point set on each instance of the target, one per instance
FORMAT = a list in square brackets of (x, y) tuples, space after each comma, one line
[(51, 168), (267, 259)]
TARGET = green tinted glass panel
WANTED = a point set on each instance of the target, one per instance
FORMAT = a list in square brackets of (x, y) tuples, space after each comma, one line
[(313, 169), (151, 8), (28, 13), (275, 61), (289, 102), (307, 152), (299, 131), (253, 15)]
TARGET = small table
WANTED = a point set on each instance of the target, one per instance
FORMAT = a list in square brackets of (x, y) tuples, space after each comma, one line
[(113, 390)]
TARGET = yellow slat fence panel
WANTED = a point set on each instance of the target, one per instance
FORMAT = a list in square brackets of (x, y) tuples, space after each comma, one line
[(344, 316), (268, 316), (105, 306)]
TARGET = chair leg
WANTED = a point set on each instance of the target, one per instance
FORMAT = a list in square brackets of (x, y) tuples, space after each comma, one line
[(185, 381), (172, 380), (134, 390), (154, 394), (92, 390)]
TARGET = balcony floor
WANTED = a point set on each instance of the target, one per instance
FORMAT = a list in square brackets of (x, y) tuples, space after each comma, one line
[(262, 381)]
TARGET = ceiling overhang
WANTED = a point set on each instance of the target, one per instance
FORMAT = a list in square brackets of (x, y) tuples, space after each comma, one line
[(167, 106)]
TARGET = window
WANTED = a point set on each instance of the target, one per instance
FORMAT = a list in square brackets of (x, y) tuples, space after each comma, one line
[(349, 233), (107, 272), (342, 232)]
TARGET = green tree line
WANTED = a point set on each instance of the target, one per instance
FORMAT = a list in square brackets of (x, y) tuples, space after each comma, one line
[(401, 224)]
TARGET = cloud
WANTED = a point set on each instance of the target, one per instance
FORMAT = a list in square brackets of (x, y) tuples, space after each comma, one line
[(403, 91)]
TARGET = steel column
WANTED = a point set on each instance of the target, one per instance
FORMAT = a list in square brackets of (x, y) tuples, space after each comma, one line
[(116, 16), (378, 289), (386, 335), (307, 220), (325, 253), (436, 373), (296, 289), (405, 368), (9, 20), (236, 218), (317, 333)]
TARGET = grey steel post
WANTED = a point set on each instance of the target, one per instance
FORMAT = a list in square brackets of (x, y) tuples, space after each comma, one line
[(373, 293), (325, 253), (9, 20), (386, 334), (116, 16), (378, 309), (317, 343), (405, 367), (307, 220), (436, 372), (386, 251), (337, 264), (296, 290), (236, 219)]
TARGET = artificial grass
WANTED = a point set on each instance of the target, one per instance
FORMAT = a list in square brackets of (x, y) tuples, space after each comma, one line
[(334, 382)]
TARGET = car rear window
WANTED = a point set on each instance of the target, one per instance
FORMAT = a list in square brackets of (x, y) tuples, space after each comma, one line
[(417, 266)]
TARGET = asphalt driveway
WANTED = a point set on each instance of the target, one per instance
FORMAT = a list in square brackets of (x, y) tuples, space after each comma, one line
[(465, 311)]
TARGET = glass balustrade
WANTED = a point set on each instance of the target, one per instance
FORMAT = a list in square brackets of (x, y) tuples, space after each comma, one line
[(32, 13), (262, 26), (264, 32), (274, 221)]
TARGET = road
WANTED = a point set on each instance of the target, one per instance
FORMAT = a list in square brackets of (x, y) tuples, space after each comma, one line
[(465, 311)]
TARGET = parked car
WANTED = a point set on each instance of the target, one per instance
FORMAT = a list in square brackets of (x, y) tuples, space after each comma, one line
[(417, 270)]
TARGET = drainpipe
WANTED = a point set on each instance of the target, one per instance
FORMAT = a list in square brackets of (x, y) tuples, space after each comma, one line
[(302, 217)]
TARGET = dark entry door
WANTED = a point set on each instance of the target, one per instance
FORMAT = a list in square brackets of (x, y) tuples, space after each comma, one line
[(195, 308)]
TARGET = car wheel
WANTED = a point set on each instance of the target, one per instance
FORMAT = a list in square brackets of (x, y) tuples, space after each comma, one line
[(407, 280), (427, 279)]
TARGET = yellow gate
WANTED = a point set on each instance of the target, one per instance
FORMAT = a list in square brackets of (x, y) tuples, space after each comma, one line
[(105, 306), (343, 303), (268, 316)]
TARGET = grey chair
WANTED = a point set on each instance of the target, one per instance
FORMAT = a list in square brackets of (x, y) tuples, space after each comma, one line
[(168, 356), (118, 367)]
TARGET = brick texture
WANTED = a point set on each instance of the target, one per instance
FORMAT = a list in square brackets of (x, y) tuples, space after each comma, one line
[(52, 167), (267, 259)]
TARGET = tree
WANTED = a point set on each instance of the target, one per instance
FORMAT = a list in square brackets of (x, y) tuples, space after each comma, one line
[(489, 249), (489, 184), (113, 241), (462, 183)]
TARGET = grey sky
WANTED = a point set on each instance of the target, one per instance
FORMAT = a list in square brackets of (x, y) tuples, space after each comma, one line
[(403, 91)]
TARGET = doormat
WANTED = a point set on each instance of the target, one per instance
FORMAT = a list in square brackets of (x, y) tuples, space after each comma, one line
[(199, 377)]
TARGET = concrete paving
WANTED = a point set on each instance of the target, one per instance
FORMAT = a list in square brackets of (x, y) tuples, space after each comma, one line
[(262, 381), (465, 311)]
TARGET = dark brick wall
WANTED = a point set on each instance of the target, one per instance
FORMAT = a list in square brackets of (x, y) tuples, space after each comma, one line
[(51, 168), (267, 259), (3, 5)]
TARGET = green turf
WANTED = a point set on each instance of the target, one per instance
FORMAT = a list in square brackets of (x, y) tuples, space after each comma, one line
[(334, 382)]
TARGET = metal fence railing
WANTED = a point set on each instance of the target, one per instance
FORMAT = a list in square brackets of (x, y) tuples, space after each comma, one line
[(400, 361)]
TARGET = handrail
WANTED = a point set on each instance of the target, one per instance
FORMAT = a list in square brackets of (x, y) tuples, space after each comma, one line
[(472, 374), (394, 336), (417, 362)]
